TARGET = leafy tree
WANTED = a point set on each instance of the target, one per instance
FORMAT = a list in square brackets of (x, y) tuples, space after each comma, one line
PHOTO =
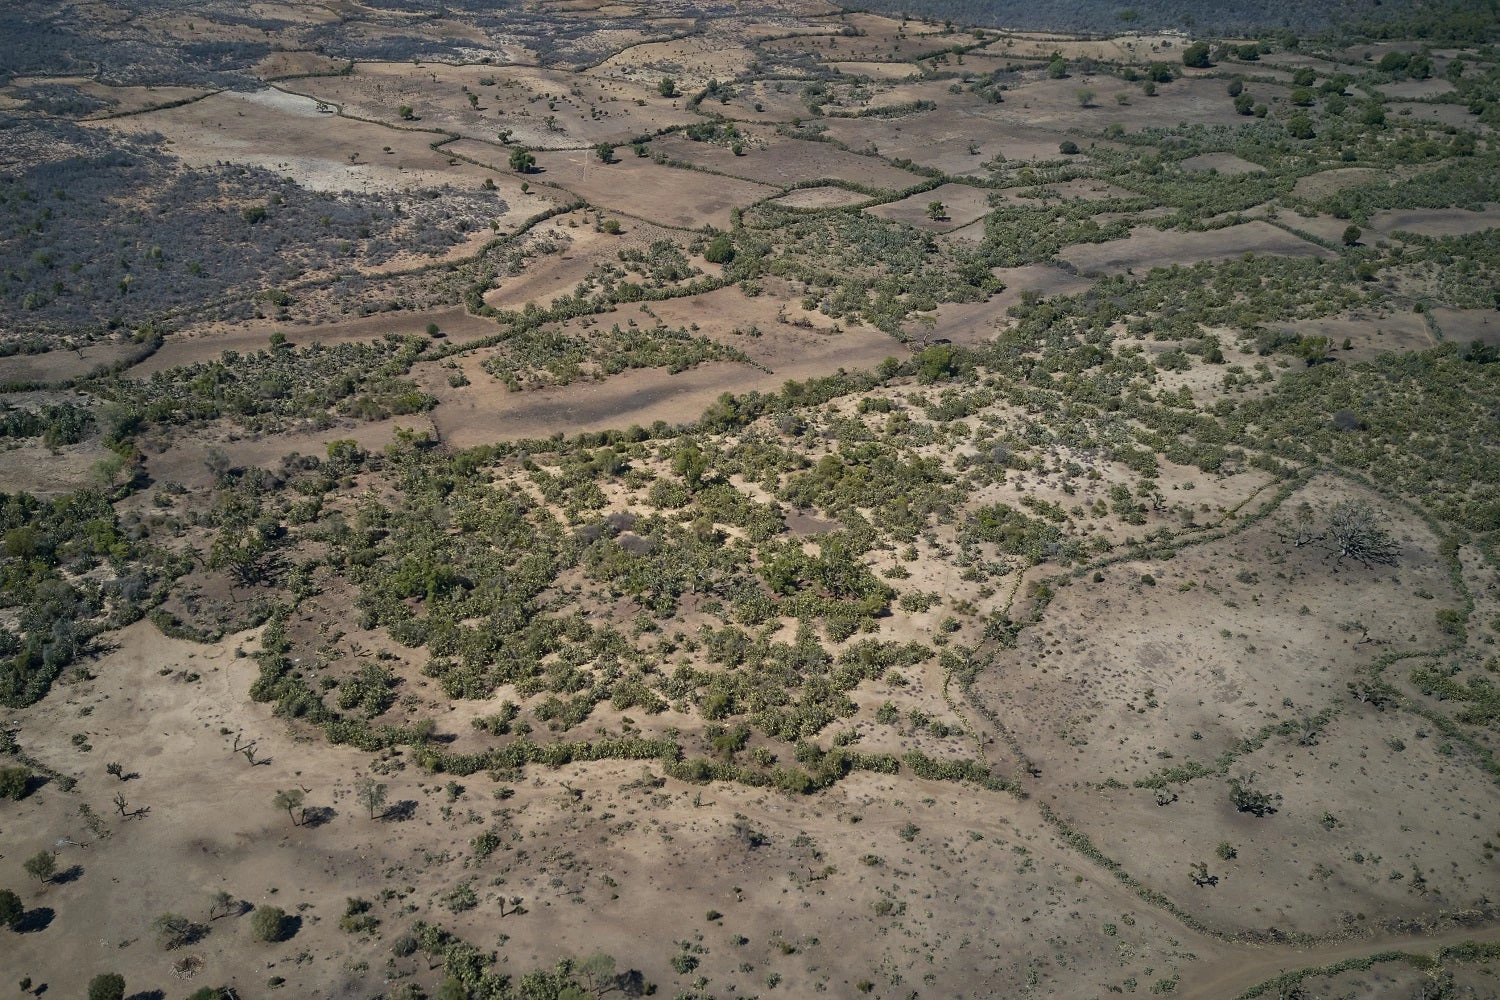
[(1085, 97), (107, 986), (1236, 88), (936, 211), (667, 87), (1247, 798), (369, 793), (1299, 126), (406, 113), (1057, 69), (289, 800), (1352, 235), (522, 160), (605, 151), (41, 866), (270, 924), (720, 250), (1301, 96), (11, 909), (1067, 147), (1196, 56)]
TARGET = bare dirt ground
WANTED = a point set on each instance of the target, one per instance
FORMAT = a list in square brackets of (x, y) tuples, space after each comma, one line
[(772, 159), (641, 188), (1224, 163), (961, 205), (1187, 645), (1437, 223), (820, 197), (287, 134), (1465, 325)]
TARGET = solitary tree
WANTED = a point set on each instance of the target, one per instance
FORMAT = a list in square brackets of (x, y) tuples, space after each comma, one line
[(1352, 235), (369, 793), (522, 161), (605, 151), (41, 866), (1057, 69), (667, 87), (289, 800), (1196, 56), (1085, 97), (107, 986), (11, 909), (936, 211)]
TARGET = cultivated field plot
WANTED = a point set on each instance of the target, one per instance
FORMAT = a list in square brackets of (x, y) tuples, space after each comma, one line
[(772, 159), (1437, 222), (640, 187), (1146, 248), (1224, 163), (958, 143), (1056, 104), (959, 204), (821, 196)]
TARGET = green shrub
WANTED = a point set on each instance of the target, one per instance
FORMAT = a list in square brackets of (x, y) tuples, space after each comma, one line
[(270, 924), (107, 986)]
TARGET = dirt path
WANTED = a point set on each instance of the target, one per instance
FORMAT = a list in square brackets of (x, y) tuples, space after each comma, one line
[(1246, 965)]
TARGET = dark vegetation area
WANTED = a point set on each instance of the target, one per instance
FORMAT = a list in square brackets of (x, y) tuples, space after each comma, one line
[(1438, 20), (180, 238)]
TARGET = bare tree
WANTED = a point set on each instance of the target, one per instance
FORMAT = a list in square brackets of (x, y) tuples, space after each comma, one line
[(1354, 532)]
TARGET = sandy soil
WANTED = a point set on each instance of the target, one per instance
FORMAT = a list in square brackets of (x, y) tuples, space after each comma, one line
[(1436, 222), (820, 197), (961, 205), (772, 159), (1147, 248), (1224, 163)]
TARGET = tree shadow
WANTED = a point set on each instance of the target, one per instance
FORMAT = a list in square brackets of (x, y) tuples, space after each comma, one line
[(147, 995), (38, 919), (316, 816), (401, 811), (70, 874)]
